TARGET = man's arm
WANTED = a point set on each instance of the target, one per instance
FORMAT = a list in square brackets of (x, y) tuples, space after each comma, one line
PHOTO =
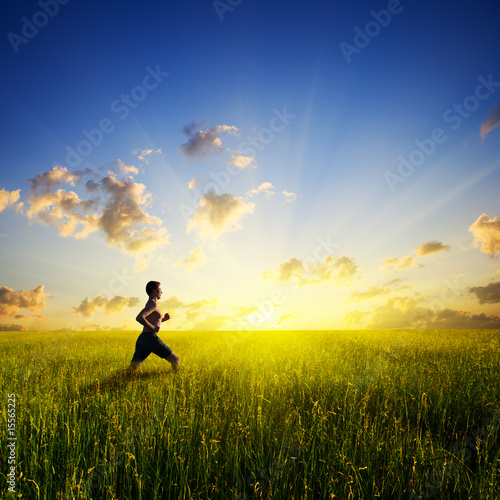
[(141, 317)]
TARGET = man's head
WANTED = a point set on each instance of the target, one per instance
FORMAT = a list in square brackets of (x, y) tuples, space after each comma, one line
[(152, 287)]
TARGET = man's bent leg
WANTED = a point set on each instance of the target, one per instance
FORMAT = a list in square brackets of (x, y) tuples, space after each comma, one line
[(134, 365), (174, 360)]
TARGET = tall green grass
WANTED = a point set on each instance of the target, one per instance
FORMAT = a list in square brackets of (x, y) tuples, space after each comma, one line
[(288, 415)]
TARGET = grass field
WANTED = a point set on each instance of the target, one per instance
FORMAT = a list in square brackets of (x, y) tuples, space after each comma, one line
[(288, 415)]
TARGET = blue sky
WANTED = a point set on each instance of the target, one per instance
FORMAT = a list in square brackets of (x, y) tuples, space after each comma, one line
[(332, 95)]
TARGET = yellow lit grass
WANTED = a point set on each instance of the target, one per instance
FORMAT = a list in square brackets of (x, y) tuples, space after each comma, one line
[(255, 414)]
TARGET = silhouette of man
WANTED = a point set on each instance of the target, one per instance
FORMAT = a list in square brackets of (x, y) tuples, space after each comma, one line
[(149, 342)]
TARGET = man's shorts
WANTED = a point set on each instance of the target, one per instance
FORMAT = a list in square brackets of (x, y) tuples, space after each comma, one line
[(147, 343)]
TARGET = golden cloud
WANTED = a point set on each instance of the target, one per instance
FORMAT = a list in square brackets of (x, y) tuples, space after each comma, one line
[(486, 233), (64, 210), (370, 293), (489, 294), (340, 270), (355, 317), (171, 305), (240, 161), (399, 312), (211, 323), (193, 183), (405, 312), (116, 305), (266, 187), (145, 154), (126, 169), (12, 301), (192, 309), (285, 318), (116, 207), (8, 198), (58, 175), (492, 120), (217, 214), (12, 327), (399, 264), (450, 318), (430, 248), (196, 258)]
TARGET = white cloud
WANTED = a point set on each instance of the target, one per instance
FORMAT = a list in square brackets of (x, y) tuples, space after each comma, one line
[(290, 196)]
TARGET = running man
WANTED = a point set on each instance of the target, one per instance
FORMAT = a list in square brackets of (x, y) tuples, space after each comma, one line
[(151, 319)]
